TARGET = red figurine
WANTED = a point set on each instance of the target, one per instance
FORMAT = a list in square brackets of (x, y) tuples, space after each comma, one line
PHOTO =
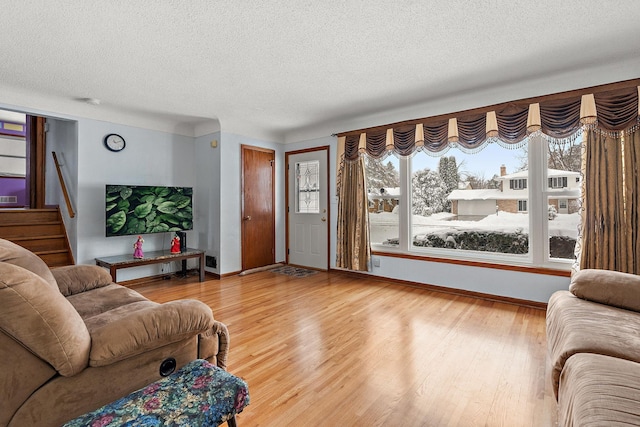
[(175, 245), (137, 248)]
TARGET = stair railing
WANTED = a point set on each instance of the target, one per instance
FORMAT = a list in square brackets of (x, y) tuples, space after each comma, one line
[(65, 193)]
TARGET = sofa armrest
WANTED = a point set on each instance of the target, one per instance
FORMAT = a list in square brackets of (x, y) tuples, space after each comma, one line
[(607, 287), (74, 279), (213, 344), (147, 329)]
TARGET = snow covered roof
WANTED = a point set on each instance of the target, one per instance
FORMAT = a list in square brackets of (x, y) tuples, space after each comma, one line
[(481, 194), (385, 193), (495, 194), (550, 174)]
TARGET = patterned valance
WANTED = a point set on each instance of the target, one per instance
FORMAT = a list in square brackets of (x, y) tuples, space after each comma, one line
[(557, 118)]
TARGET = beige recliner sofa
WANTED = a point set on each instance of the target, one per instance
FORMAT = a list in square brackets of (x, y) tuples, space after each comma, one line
[(72, 341), (593, 336)]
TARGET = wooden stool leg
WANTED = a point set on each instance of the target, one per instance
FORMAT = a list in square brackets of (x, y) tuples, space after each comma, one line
[(231, 422)]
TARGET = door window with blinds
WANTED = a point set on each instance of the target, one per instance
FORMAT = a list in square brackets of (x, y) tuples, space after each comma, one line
[(308, 187)]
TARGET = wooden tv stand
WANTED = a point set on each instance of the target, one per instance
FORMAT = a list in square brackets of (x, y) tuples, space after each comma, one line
[(114, 263)]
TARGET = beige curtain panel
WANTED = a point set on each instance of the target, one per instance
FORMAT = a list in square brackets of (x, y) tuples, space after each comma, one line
[(610, 200), (353, 249)]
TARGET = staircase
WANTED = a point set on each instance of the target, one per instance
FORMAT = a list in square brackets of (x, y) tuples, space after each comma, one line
[(39, 230)]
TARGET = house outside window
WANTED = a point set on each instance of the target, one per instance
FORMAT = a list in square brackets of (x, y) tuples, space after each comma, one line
[(463, 205)]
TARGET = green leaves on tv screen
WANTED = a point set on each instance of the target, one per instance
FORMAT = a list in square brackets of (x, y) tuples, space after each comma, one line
[(146, 209)]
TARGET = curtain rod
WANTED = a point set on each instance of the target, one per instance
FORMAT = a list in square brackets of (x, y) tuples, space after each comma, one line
[(483, 110)]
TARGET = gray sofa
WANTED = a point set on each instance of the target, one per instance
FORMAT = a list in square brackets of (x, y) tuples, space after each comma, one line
[(593, 337)]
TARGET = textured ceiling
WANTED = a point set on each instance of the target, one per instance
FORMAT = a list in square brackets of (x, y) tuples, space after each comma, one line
[(276, 69)]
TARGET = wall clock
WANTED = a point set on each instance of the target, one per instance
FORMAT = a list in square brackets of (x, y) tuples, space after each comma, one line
[(114, 142)]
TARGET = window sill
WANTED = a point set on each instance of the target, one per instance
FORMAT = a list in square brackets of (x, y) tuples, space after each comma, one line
[(561, 269)]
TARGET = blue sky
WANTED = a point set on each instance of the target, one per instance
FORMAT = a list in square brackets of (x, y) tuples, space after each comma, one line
[(485, 163)]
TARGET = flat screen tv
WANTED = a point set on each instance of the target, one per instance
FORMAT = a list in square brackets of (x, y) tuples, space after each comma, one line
[(145, 209)]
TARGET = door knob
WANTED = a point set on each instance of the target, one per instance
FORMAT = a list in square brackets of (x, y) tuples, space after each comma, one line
[(247, 218), (323, 219)]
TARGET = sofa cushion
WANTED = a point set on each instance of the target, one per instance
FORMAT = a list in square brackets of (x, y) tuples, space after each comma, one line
[(607, 287), (140, 327), (104, 300), (42, 320), (598, 390), (576, 326), (75, 279), (17, 255)]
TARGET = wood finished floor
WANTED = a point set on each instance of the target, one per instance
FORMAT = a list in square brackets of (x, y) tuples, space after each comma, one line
[(332, 349)]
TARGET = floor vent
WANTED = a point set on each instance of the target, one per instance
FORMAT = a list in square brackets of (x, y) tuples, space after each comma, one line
[(8, 199)]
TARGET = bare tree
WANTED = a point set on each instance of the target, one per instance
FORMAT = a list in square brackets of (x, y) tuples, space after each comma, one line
[(565, 156), (562, 156), (477, 180)]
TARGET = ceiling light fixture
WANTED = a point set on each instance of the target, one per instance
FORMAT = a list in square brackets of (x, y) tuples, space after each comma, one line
[(92, 101)]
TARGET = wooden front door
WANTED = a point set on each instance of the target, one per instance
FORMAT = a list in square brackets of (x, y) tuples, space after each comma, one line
[(258, 216)]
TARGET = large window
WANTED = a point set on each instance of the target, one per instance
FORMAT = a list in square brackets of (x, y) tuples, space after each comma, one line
[(470, 202), (491, 204), (383, 188)]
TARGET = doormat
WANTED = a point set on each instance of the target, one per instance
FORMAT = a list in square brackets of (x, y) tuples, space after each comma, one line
[(293, 271), (258, 269)]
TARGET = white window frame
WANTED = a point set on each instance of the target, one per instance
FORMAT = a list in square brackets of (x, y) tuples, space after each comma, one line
[(522, 203), (518, 184), (537, 205), (558, 182)]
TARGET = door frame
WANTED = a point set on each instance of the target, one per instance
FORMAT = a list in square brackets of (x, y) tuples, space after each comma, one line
[(243, 148), (286, 193), (36, 161)]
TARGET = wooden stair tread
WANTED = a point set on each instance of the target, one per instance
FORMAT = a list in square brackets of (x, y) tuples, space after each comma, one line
[(53, 251), (40, 231), (16, 224), (27, 238)]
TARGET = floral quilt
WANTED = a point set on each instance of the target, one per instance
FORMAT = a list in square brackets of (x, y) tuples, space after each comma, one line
[(199, 394)]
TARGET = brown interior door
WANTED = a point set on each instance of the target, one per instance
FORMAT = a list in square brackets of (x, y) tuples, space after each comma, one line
[(258, 216)]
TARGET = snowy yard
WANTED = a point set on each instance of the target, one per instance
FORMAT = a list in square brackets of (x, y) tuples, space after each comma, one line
[(384, 225)]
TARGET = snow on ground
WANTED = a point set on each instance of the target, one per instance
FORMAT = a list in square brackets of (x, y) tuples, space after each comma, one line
[(384, 225)]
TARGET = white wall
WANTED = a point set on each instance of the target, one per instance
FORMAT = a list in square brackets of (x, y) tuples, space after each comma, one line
[(150, 158), (507, 283), (231, 199), (62, 138), (207, 195)]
